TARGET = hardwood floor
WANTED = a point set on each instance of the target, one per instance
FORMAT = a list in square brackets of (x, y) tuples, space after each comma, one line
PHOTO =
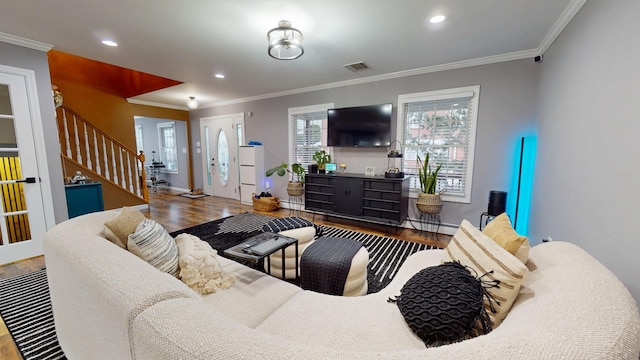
[(176, 212)]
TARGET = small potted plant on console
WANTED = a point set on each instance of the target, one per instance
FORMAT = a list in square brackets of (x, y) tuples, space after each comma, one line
[(296, 184), (321, 157)]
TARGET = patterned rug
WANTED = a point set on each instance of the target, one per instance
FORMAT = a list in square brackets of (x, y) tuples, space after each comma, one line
[(25, 307), (386, 255)]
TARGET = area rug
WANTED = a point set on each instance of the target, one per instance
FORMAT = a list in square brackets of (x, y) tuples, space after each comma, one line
[(386, 254), (25, 307)]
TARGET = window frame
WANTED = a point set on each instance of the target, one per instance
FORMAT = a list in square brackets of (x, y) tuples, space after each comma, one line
[(453, 93), (161, 144), (292, 128)]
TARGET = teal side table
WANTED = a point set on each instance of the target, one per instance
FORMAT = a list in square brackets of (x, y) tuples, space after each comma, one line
[(84, 198)]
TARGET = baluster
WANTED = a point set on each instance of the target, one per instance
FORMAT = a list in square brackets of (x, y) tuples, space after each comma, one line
[(66, 133), (86, 146), (137, 175), (122, 177), (106, 159), (95, 146), (113, 163), (129, 168), (77, 144)]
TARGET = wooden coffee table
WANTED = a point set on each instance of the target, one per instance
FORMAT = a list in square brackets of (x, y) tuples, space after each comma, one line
[(260, 246)]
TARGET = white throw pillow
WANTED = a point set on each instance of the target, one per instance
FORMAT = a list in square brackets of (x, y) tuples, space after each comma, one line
[(478, 251), (152, 243), (199, 266)]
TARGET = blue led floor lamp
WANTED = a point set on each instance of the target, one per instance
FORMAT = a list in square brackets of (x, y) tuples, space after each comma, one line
[(524, 184)]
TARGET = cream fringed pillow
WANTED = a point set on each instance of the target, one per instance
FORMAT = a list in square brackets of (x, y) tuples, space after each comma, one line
[(502, 232), (199, 267), (472, 248), (124, 224), (153, 244)]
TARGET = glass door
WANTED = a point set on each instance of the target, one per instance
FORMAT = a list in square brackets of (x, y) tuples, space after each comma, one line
[(22, 222)]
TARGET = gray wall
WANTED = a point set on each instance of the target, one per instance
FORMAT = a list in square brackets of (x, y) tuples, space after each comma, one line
[(586, 188), (20, 57), (150, 142), (507, 111)]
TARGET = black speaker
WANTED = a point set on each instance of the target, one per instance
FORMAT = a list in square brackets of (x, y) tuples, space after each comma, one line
[(497, 202)]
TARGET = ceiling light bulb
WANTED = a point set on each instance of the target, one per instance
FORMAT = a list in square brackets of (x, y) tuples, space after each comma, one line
[(192, 103), (109, 43), (437, 19), (219, 76)]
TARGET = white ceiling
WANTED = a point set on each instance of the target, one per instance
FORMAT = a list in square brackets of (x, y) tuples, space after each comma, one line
[(191, 40)]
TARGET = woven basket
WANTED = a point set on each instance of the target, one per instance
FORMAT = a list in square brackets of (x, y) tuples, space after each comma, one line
[(265, 203), (295, 188), (429, 203)]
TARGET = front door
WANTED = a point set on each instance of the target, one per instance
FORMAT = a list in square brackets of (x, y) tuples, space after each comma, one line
[(220, 138), (22, 217)]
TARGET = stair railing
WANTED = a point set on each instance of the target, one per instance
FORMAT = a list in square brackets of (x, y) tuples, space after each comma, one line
[(88, 146)]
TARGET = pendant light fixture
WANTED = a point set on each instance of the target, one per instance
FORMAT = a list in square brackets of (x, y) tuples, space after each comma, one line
[(285, 42), (192, 103)]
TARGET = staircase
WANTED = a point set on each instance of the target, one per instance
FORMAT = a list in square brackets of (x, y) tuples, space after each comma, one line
[(95, 153)]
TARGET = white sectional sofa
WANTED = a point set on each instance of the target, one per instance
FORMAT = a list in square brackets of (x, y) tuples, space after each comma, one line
[(109, 304)]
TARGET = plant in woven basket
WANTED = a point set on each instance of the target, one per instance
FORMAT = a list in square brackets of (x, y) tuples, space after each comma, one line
[(428, 200), (296, 184)]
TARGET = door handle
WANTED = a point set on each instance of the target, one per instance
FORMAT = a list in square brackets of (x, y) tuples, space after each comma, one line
[(29, 180)]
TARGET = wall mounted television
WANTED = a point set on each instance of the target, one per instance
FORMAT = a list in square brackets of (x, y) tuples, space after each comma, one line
[(360, 126)]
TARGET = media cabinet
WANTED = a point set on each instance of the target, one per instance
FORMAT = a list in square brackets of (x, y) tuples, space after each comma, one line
[(368, 198)]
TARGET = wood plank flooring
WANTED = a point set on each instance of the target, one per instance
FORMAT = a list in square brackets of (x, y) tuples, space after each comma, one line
[(175, 212)]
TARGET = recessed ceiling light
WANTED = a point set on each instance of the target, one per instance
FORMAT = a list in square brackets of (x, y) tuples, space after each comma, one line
[(437, 19), (219, 76), (109, 42)]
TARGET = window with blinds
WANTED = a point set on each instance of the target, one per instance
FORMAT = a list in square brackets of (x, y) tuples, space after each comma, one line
[(307, 132), (168, 146), (443, 124)]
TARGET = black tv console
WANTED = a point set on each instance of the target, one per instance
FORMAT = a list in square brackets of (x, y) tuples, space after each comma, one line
[(368, 198)]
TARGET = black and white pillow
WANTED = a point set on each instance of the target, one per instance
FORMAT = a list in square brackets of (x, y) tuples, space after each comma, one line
[(444, 304), (152, 243)]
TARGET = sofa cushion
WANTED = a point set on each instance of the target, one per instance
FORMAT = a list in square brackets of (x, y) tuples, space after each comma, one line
[(152, 243), (502, 232), (444, 304), (472, 248), (118, 229), (199, 266)]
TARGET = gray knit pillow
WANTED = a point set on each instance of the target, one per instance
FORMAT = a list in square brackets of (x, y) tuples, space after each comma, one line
[(152, 243), (444, 304)]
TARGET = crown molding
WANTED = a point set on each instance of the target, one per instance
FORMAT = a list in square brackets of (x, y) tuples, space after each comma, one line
[(20, 41), (156, 104), (395, 75), (562, 22)]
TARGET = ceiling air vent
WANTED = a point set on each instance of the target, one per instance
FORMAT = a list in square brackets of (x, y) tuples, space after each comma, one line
[(357, 66)]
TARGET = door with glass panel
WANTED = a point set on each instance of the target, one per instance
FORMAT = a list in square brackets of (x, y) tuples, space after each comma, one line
[(22, 219), (220, 138)]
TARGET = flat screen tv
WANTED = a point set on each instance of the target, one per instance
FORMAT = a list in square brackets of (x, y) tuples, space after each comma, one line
[(361, 126)]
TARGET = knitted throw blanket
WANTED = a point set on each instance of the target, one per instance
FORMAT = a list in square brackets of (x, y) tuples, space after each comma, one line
[(325, 264)]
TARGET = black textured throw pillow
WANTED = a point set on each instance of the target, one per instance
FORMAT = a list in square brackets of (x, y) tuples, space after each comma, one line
[(444, 304)]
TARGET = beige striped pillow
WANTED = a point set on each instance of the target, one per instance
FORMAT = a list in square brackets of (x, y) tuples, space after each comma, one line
[(478, 251), (152, 243)]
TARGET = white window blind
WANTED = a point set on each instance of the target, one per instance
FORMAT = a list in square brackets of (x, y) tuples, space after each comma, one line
[(307, 133), (168, 146), (441, 123)]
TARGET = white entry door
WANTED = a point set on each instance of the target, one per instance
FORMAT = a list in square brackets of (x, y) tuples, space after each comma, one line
[(22, 215), (221, 136)]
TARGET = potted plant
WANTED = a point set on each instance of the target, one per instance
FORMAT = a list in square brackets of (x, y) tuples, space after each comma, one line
[(321, 157), (428, 200), (296, 184)]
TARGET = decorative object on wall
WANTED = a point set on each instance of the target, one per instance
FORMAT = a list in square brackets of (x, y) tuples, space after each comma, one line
[(428, 200), (192, 103), (285, 42)]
